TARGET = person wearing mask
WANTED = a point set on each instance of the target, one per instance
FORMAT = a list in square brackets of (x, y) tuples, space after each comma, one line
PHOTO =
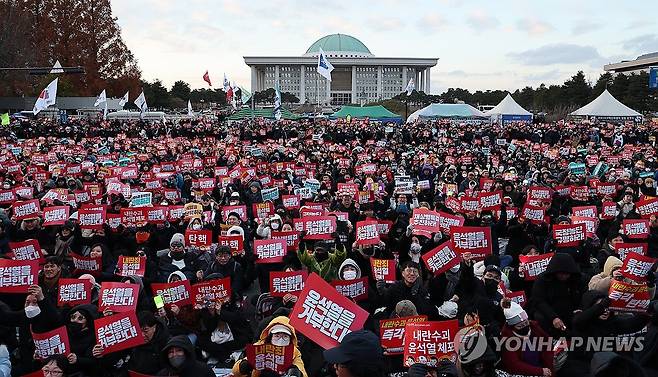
[(269, 225), (178, 259), (180, 359), (322, 261), (146, 358), (82, 338)]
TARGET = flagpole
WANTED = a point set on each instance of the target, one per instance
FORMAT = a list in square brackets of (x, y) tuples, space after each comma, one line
[(317, 89)]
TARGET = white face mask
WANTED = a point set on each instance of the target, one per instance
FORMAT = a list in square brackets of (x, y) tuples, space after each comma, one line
[(415, 257), (32, 311), (281, 342), (196, 226), (415, 248), (274, 225), (234, 202), (349, 275)]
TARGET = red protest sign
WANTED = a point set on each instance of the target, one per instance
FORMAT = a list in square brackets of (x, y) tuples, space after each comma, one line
[(198, 238), (606, 189), (73, 292), (647, 207), (291, 201), (26, 250), (175, 213), (263, 210), (472, 239), (318, 227), (87, 264), (517, 296), (91, 218), (635, 229), (217, 290), (608, 210), (356, 289), (534, 265), (54, 342), (8, 196), (534, 214), (447, 221), (383, 269), (539, 193), (627, 297), (282, 282), (17, 275), (490, 200), (134, 216), (429, 342), (441, 258), (271, 357), (591, 223), (569, 235), (177, 293), (367, 233), (469, 203), (234, 242), (128, 265), (636, 267), (240, 210), (118, 332), (391, 333), (348, 189), (55, 215), (584, 211), (118, 297), (291, 237), (270, 251), (425, 221), (156, 215), (624, 248), (26, 209), (325, 316)]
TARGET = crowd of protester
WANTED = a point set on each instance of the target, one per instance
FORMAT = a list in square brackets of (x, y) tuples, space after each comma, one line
[(457, 160)]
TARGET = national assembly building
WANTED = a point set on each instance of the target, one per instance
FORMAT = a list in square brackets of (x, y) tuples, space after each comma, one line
[(358, 75)]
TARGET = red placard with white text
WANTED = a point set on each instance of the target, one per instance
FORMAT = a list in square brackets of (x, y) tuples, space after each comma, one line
[(118, 332), (441, 258), (27, 250), (131, 265), (73, 292), (118, 297), (536, 215), (425, 221), (490, 200), (636, 267), (198, 238), (317, 227), (17, 275), (635, 229), (472, 239), (87, 264), (569, 235), (26, 209), (270, 357), (647, 207), (447, 221), (55, 215), (234, 242), (91, 218), (291, 201), (584, 211), (292, 238), (270, 251), (367, 233), (356, 289), (176, 293), (54, 342), (429, 342), (383, 269), (628, 297), (391, 333), (285, 282), (608, 210), (517, 296), (624, 248), (534, 265), (217, 290)]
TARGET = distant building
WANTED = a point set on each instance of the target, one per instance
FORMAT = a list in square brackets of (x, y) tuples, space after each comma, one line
[(358, 75), (642, 63)]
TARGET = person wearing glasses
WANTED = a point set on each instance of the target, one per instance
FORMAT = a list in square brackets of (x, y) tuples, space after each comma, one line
[(409, 288), (55, 366)]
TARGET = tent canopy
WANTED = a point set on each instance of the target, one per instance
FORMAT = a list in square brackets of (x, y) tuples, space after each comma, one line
[(508, 107), (606, 106), (372, 112), (447, 110), (246, 113)]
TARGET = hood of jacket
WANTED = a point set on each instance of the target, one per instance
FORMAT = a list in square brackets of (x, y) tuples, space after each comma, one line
[(180, 341), (610, 264), (562, 262), (349, 262)]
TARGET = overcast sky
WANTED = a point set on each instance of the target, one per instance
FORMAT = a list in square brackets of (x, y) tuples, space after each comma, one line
[(503, 44)]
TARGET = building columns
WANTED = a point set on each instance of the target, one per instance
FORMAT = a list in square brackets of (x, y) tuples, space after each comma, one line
[(379, 82), (302, 84), (276, 76), (404, 79), (427, 80), (327, 84), (354, 94), (254, 79)]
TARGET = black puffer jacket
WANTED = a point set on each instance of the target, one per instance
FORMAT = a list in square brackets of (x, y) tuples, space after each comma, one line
[(191, 367), (146, 358)]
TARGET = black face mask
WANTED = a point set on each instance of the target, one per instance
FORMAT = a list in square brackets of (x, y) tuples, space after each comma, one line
[(74, 327), (522, 332), (490, 286), (178, 255)]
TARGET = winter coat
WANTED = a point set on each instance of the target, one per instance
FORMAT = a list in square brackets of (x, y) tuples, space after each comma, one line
[(513, 361), (191, 367), (146, 359)]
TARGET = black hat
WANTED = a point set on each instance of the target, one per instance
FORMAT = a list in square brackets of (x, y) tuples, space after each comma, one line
[(360, 346)]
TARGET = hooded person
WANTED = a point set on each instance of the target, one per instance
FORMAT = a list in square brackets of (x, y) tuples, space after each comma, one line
[(146, 358), (279, 332), (601, 282), (180, 359), (349, 270), (610, 364), (522, 361), (360, 354), (321, 260), (82, 338), (271, 224)]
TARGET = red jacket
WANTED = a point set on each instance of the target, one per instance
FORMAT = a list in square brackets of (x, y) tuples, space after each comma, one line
[(512, 360)]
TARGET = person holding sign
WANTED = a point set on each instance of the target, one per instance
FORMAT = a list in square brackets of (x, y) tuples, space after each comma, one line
[(181, 359), (409, 288), (80, 326), (322, 261), (225, 265)]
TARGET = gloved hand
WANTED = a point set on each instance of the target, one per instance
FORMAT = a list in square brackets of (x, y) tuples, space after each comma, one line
[(381, 285), (294, 372), (245, 368)]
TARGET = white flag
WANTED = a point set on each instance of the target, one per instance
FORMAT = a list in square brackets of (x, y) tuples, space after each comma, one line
[(105, 111), (277, 103), (227, 84), (189, 108), (124, 100), (324, 66), (141, 103), (234, 102), (57, 68), (47, 97), (410, 87), (101, 98)]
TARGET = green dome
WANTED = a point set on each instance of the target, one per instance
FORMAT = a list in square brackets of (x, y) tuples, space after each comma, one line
[(339, 43)]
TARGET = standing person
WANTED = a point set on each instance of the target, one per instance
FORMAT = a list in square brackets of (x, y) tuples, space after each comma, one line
[(360, 354)]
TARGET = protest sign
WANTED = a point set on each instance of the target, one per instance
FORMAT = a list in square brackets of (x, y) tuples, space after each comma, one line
[(241, 211), (291, 201), (447, 221), (517, 296), (198, 238), (26, 209), (132, 217), (536, 215), (73, 292), (539, 193), (234, 242), (534, 265), (635, 229), (425, 221), (285, 282), (176, 293), (270, 194), (267, 356), (429, 342), (323, 315), (17, 275), (211, 291), (118, 332), (627, 297), (317, 227), (27, 250), (54, 342), (356, 289), (490, 200), (569, 235), (441, 258), (609, 210), (291, 237), (383, 269), (263, 210), (56, 215), (118, 297), (624, 248), (473, 240), (647, 207), (636, 267), (391, 333), (367, 233), (270, 251), (129, 265), (193, 211)]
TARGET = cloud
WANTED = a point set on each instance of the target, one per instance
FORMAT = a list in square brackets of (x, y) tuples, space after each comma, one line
[(432, 22), (638, 24), (585, 26), (533, 26), (559, 53), (384, 23), (544, 76), (642, 44), (481, 21)]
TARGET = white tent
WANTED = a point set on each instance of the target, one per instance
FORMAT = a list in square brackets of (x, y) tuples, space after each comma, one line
[(606, 106), (509, 107), (446, 110)]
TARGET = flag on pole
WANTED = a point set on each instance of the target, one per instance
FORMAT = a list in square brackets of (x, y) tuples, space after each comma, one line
[(246, 96), (124, 100), (141, 103), (227, 84), (324, 66), (101, 98), (105, 111), (4, 119), (234, 96), (410, 87), (206, 78), (229, 95), (57, 68), (189, 109), (277, 103), (47, 97)]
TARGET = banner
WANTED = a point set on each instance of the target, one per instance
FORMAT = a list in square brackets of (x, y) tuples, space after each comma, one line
[(91, 218), (624, 248), (157, 215), (584, 211), (490, 200), (391, 333), (73, 292), (472, 239), (636, 267), (383, 269), (447, 221), (367, 233), (291, 201), (608, 210), (176, 293), (270, 251), (539, 193), (469, 203), (635, 229), (292, 238), (127, 266), (647, 207), (118, 332), (25, 210), (323, 315), (425, 221), (569, 235), (240, 210), (234, 242), (55, 215), (356, 289), (536, 215), (429, 342), (27, 250), (17, 275), (591, 224), (284, 282), (118, 297), (626, 297), (318, 227), (534, 265), (211, 291), (87, 264), (132, 217), (441, 258), (55, 342), (262, 210), (198, 238), (271, 357)]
